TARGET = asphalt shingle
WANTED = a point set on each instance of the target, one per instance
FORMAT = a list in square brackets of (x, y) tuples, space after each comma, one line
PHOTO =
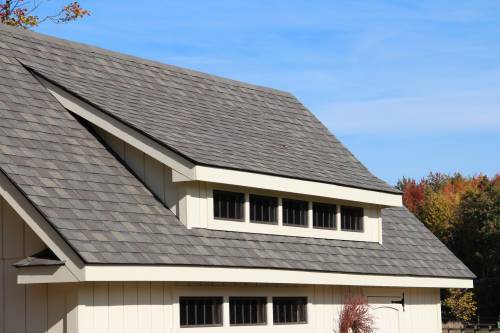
[(208, 119), (108, 216)]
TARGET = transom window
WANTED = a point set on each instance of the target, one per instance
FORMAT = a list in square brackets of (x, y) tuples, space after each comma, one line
[(289, 310), (262, 213), (247, 310), (228, 205), (263, 209), (351, 218), (324, 216), (295, 212), (200, 311)]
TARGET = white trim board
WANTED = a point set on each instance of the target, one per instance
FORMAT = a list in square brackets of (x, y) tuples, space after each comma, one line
[(306, 187), (44, 274), (184, 170), (251, 275)]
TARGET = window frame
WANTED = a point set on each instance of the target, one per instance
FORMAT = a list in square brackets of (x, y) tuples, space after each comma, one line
[(220, 306), (264, 314), (241, 205), (362, 218), (275, 208), (306, 213), (305, 310)]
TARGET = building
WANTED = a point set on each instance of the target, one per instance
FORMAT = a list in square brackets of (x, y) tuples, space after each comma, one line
[(142, 197)]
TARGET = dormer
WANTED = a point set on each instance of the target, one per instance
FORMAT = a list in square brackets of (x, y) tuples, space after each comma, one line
[(277, 195)]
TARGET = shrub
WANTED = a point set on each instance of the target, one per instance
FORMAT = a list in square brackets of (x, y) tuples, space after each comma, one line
[(355, 316)]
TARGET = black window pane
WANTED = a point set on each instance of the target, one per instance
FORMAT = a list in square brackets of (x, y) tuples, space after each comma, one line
[(351, 218), (200, 311), (324, 216), (295, 212), (289, 310), (228, 205), (247, 310), (263, 209)]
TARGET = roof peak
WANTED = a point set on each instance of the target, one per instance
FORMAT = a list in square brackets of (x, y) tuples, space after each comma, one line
[(137, 59)]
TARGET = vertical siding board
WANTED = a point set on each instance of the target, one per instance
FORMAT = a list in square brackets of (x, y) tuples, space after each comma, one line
[(154, 177), (169, 307), (13, 235), (85, 307), (56, 308), (158, 319), (36, 308), (2, 204), (72, 308), (2, 294), (14, 311), (135, 160), (33, 243), (171, 195), (2, 279), (101, 307), (144, 306), (328, 315), (116, 310), (130, 307)]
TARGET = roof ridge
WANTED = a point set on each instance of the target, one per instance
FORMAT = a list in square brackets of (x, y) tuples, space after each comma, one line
[(137, 59)]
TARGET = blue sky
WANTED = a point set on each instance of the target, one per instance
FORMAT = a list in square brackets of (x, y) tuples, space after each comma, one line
[(408, 86)]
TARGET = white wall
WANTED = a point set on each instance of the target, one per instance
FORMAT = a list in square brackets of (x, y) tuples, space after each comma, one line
[(33, 308), (145, 307)]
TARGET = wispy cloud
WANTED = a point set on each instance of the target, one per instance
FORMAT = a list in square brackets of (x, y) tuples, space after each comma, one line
[(453, 113)]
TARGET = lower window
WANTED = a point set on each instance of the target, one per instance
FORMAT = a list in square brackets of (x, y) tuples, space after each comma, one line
[(200, 311), (290, 310), (247, 310)]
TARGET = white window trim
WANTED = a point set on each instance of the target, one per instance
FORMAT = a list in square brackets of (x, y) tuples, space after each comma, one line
[(227, 292)]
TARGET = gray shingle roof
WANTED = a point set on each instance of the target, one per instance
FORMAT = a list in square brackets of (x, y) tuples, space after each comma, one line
[(108, 217), (209, 120)]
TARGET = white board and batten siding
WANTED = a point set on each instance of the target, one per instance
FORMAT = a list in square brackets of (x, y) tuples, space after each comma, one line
[(28, 308), (153, 307)]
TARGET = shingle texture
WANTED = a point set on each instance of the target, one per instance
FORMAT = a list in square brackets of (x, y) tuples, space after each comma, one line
[(209, 120), (108, 217)]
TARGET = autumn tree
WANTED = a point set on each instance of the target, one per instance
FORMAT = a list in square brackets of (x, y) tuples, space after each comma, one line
[(460, 305), (464, 213), (23, 13)]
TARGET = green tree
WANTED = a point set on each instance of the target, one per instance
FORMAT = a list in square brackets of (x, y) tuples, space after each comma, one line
[(23, 14), (477, 232)]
